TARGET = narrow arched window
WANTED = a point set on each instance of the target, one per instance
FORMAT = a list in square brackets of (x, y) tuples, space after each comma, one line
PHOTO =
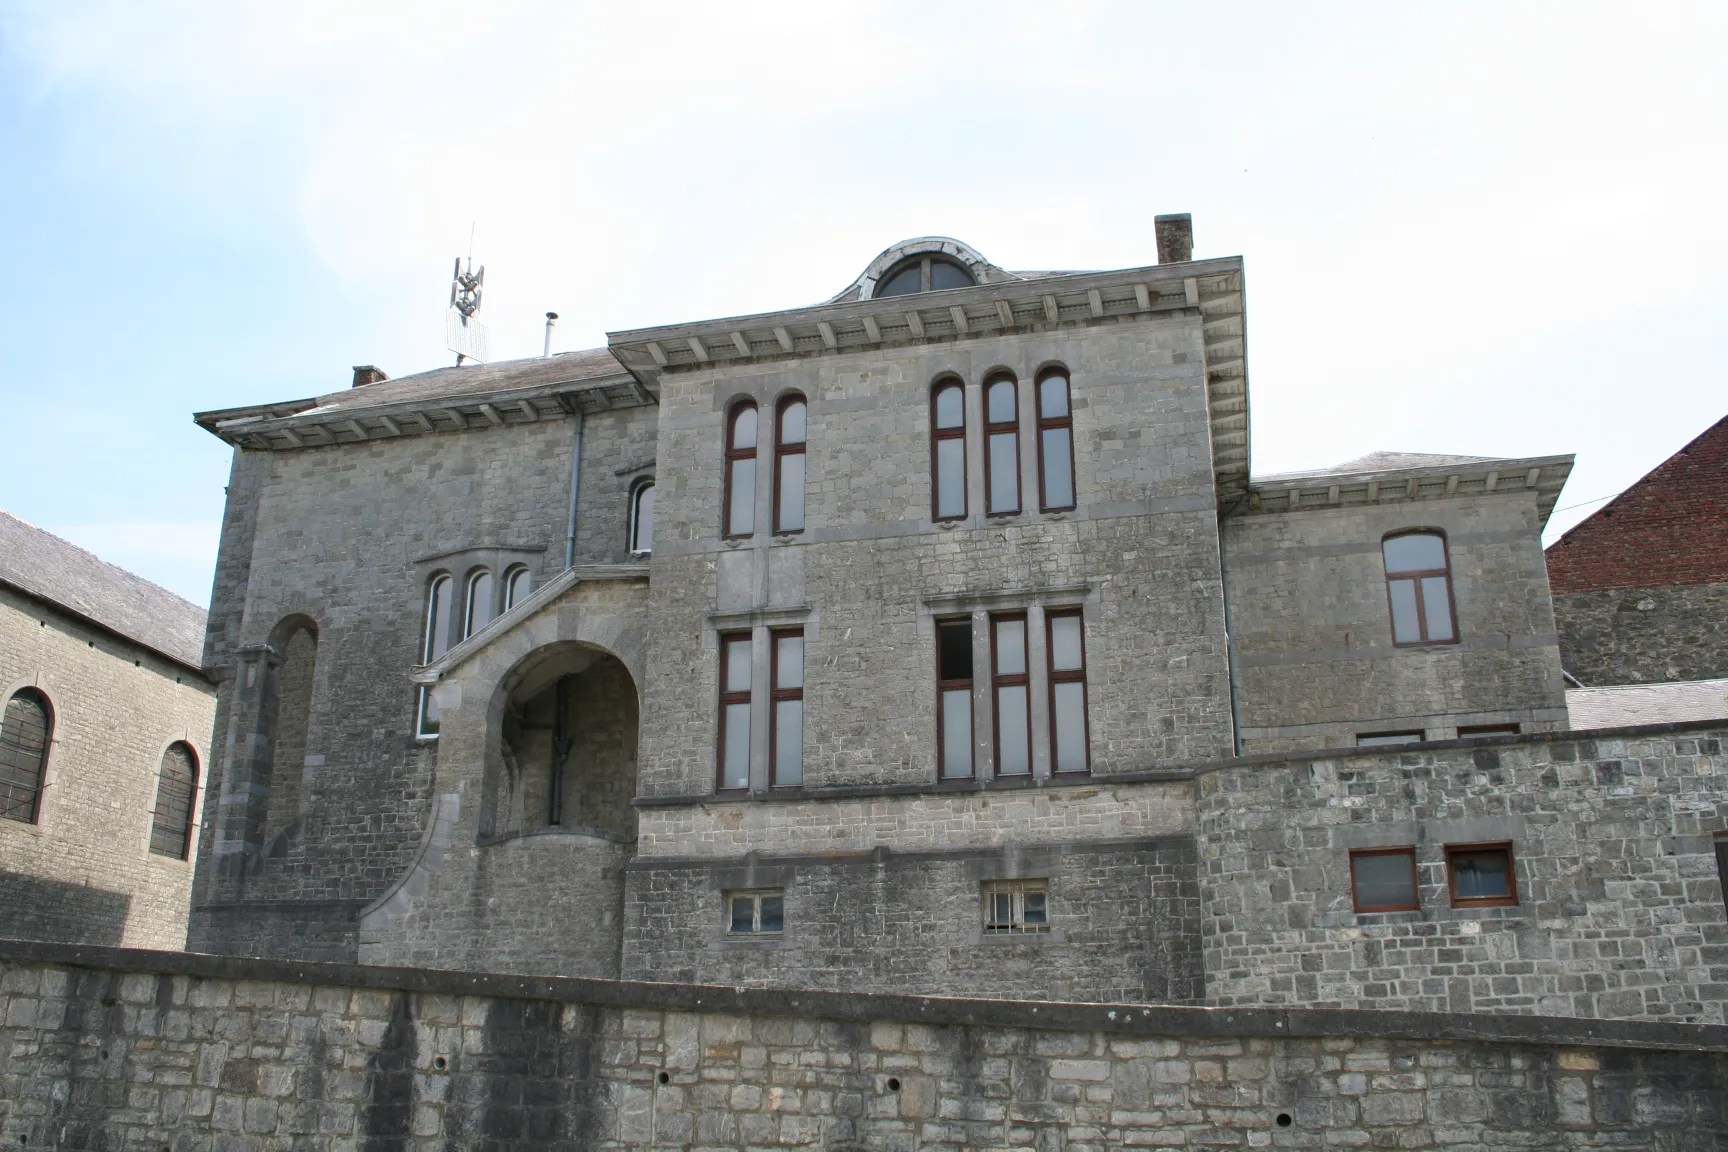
[(435, 642), (518, 583), (176, 790), (1055, 442), (642, 518), (1419, 588), (24, 738), (1001, 446), (740, 511), (789, 452), (480, 611), (948, 450)]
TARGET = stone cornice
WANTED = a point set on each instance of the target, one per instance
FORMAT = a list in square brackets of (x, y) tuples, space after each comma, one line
[(1544, 475)]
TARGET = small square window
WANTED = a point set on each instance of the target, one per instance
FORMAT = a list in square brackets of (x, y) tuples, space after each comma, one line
[(1481, 875), (1384, 880), (1016, 906), (1365, 739), (756, 913)]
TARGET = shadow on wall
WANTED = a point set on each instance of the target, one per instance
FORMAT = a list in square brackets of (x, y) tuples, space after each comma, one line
[(35, 909)]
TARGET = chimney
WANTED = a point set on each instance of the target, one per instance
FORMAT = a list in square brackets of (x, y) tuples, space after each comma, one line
[(1175, 238), (371, 374)]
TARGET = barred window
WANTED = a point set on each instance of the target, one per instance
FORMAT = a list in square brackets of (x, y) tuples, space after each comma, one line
[(1015, 906), (176, 790), (24, 739)]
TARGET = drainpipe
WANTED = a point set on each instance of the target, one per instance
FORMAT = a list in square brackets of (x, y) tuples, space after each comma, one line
[(575, 488), (1229, 643)]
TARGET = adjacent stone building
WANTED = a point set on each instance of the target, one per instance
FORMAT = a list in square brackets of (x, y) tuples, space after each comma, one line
[(106, 738)]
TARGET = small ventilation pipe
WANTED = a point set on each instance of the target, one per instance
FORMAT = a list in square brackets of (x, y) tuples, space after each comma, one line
[(551, 319)]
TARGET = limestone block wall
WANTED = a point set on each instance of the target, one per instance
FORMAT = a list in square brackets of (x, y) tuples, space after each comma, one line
[(1315, 660), (1620, 911), (1644, 635), (136, 1050), (84, 870)]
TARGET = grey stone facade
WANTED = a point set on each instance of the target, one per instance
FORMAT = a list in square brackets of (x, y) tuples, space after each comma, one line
[(1645, 635)]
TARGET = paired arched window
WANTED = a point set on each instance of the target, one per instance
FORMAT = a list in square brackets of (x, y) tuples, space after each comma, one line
[(25, 732), (926, 273), (642, 518), (739, 513), (1419, 588), (517, 585), (948, 450), (1055, 442), (1001, 445), (791, 420), (480, 603), (435, 641), (176, 792)]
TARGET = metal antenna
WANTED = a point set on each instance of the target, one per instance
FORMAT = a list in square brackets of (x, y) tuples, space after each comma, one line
[(464, 334)]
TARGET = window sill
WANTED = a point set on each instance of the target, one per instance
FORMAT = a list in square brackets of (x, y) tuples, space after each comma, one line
[(999, 939), (751, 942)]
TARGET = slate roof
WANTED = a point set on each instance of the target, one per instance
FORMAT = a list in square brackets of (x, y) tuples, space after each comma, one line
[(1384, 462), (476, 380), (44, 566), (1624, 705)]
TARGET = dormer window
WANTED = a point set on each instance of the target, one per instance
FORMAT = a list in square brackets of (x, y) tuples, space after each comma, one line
[(923, 274)]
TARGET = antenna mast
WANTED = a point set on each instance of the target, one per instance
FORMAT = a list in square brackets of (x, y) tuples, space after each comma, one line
[(464, 334)]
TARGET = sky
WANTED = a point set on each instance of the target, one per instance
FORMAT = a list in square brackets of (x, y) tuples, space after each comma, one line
[(1483, 229)]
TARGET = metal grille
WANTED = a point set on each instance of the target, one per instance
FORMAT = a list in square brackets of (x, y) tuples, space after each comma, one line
[(23, 754), (176, 784)]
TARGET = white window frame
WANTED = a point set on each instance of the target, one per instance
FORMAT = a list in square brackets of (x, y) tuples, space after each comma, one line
[(1016, 891)]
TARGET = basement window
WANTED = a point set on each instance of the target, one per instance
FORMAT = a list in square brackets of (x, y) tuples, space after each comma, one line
[(1481, 875), (1016, 906), (1369, 739), (756, 913), (1469, 730)]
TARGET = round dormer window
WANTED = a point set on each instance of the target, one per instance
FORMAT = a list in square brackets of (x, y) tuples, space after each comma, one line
[(923, 274)]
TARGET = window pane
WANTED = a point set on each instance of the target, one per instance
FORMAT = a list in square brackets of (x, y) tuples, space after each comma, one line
[(1053, 397), (1437, 607), (1010, 647), (1480, 875), (644, 538), (946, 275), (1002, 909), (788, 742), (792, 492), (1405, 630), (429, 713), (1035, 908), (438, 619), (735, 772), (1004, 473), (789, 662), (956, 733), (1383, 880), (908, 279), (1058, 468), (1013, 753), (954, 640), (479, 602), (950, 408), (950, 478), (743, 914), (744, 428), (742, 518), (1001, 402), (737, 665), (521, 584), (1368, 739), (1422, 552), (792, 420), (773, 913), (1066, 651), (1070, 720), (23, 750)]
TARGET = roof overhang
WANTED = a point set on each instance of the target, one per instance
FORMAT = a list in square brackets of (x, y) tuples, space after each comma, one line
[(1208, 289), (1543, 475)]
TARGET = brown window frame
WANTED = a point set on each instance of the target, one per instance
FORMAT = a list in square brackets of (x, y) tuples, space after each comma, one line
[(746, 697), (1063, 422), (1005, 427), (159, 830), (945, 686), (937, 435), (1416, 579), (1507, 901), (776, 695), (1468, 730), (734, 454), (30, 807), (783, 450), (1409, 852), (1068, 676), (1000, 680)]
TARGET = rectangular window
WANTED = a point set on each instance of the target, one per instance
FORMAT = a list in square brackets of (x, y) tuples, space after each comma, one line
[(1055, 444), (1016, 906), (1481, 875), (1384, 879), (786, 756), (1487, 730), (756, 913), (948, 451), (1067, 646), (1002, 447), (1366, 739), (734, 766), (1419, 588), (1012, 690), (954, 698)]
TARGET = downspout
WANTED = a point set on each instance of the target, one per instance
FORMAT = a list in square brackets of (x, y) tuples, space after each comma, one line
[(1229, 643), (575, 488)]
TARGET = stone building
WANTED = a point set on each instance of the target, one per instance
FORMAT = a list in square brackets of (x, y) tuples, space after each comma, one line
[(106, 737), (932, 639)]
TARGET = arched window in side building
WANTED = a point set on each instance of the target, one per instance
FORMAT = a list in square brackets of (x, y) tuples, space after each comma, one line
[(479, 603), (948, 450), (789, 452), (176, 791), (642, 518), (24, 738), (518, 583), (435, 641), (1419, 588), (739, 516)]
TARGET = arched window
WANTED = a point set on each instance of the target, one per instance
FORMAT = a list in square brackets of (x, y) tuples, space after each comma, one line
[(1001, 446), (789, 451), (292, 684), (740, 512), (923, 274), (1419, 588), (435, 642), (948, 450), (24, 738), (176, 789), (1055, 442), (479, 603), (642, 518), (518, 583)]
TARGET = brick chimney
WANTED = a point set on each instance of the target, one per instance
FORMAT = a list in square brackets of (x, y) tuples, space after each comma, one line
[(1175, 238), (372, 374)]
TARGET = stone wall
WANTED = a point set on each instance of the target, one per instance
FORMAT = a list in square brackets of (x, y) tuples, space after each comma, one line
[(107, 1049), (1620, 908), (1644, 635), (84, 870)]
